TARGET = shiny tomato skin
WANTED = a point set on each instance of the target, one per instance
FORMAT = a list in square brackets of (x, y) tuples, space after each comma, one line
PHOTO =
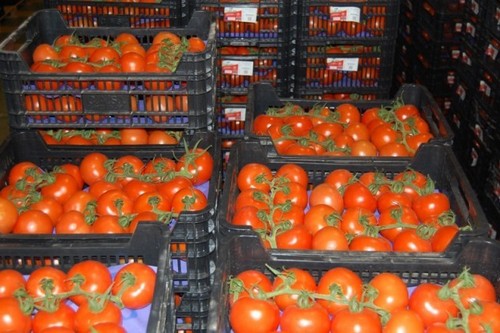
[(8, 216), (12, 319), (404, 321), (64, 316), (349, 282), (369, 243), (199, 163), (189, 199), (253, 281), (297, 238), (482, 290), (33, 222), (365, 321), (431, 205), (488, 314), (355, 220), (34, 284), (426, 303), (327, 195), (294, 173), (141, 292), (115, 203), (96, 278), (330, 239), (409, 241), (63, 187), (291, 192), (319, 216), (254, 176), (18, 172), (249, 315), (302, 280), (10, 281), (248, 216), (392, 292), (72, 222), (358, 195), (391, 216), (308, 319), (92, 168), (443, 237), (85, 318)]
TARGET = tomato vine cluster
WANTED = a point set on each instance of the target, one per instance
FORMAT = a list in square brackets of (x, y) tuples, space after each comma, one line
[(366, 212), (393, 130), (103, 195), (85, 299), (341, 302)]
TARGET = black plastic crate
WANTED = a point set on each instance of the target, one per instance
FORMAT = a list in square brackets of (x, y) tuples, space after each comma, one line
[(162, 14), (488, 49), (445, 6), (192, 235), (183, 99), (192, 312), (435, 53), (241, 253), (269, 62), (251, 22), (262, 97), (344, 66), (231, 120), (150, 246), (488, 90), (485, 122), (492, 21), (439, 81), (435, 160), (441, 26), (321, 20)]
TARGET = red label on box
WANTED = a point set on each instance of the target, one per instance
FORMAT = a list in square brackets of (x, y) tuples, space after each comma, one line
[(340, 16), (336, 65), (230, 69), (232, 16)]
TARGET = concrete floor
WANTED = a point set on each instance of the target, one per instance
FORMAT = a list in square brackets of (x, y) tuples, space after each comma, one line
[(13, 16)]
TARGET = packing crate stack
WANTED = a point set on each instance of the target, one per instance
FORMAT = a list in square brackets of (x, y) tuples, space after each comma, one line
[(58, 118), (475, 102)]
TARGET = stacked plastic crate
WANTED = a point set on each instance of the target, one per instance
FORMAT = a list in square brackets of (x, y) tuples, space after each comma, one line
[(405, 55), (345, 50), (255, 42), (42, 103), (475, 101)]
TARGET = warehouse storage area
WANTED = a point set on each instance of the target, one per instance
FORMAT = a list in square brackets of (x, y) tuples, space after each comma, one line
[(249, 166)]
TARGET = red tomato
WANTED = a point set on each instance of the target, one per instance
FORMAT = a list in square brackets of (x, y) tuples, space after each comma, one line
[(294, 173), (294, 215), (363, 148), (299, 280), (248, 216), (476, 288), (12, 318), (365, 321), (109, 84), (339, 178), (72, 222), (92, 168), (23, 171), (64, 316), (429, 306), (330, 239), (10, 281), (431, 205), (135, 188), (348, 113), (115, 203), (389, 199), (79, 201), (105, 54), (320, 216), (127, 168), (358, 195), (394, 149), (101, 186), (45, 52), (253, 281), (355, 220), (198, 164), (85, 317), (252, 197), (107, 328), (392, 292), (49, 206), (296, 238), (33, 222), (61, 187), (134, 136), (488, 315), (151, 201), (262, 122), (443, 237), (254, 315), (409, 241), (404, 321), (305, 319), (369, 243), (138, 282), (170, 188), (189, 199), (91, 276), (382, 135), (327, 195), (291, 192), (254, 176), (299, 124), (108, 224), (349, 282), (132, 62), (35, 285), (390, 218), (8, 216)]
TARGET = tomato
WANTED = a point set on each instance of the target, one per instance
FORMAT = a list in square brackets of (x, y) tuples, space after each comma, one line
[(138, 282), (74, 171), (108, 224), (479, 290), (320, 216), (357, 131), (412, 181), (79, 201), (8, 216), (127, 167), (290, 192), (45, 52), (198, 164), (355, 220), (248, 216), (254, 176), (125, 38), (394, 149), (105, 54), (294, 173), (443, 237), (43, 67), (253, 281), (358, 195), (294, 215), (72, 52), (10, 281), (189, 199), (383, 135), (327, 195), (369, 243), (33, 222), (363, 148), (249, 315), (390, 199), (305, 319), (262, 122), (64, 316), (487, 315), (36, 283), (134, 136), (392, 293), (133, 48), (85, 318), (196, 45), (404, 321), (300, 280), (78, 67), (72, 222), (426, 303), (141, 217), (328, 130), (298, 148), (348, 281), (60, 187), (348, 113), (12, 319), (415, 141), (406, 111), (431, 205), (166, 37), (136, 188), (23, 171), (151, 201), (101, 186), (109, 84), (49, 206), (159, 137), (38, 103), (330, 239), (339, 178), (252, 197), (107, 328), (364, 321), (133, 62), (299, 124), (391, 217), (296, 238), (91, 276), (115, 203)]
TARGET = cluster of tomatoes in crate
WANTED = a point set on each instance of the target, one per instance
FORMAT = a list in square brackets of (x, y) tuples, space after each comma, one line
[(393, 130), (369, 212), (124, 136), (332, 21), (87, 298), (103, 195), (341, 302)]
